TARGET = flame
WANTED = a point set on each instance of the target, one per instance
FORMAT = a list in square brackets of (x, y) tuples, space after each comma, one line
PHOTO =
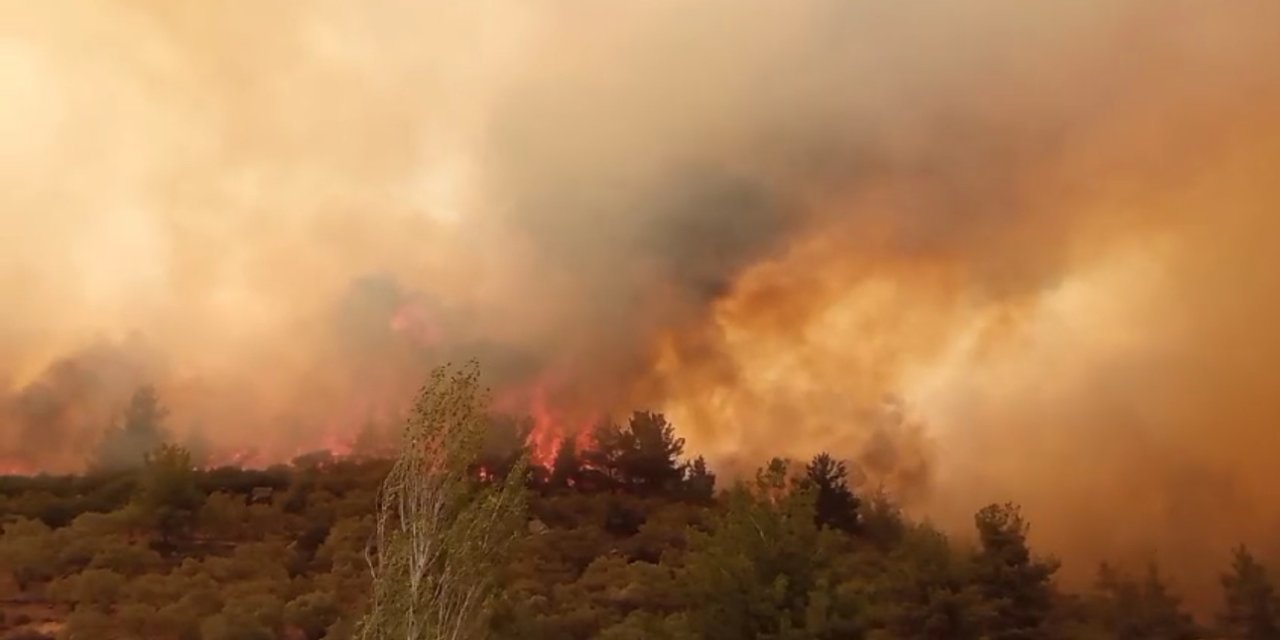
[(243, 458), (553, 420), (15, 467)]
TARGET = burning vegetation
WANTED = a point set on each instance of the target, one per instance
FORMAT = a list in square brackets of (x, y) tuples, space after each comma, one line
[(976, 251), (624, 536)]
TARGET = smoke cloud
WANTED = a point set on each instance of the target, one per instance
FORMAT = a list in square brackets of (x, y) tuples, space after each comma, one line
[(986, 250)]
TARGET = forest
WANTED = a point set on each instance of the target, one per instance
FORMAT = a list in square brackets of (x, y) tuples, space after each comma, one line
[(622, 536)]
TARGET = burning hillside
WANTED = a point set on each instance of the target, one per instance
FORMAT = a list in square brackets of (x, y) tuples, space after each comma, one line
[(978, 250)]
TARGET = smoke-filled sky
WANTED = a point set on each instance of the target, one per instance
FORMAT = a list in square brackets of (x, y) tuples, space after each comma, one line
[(990, 250)]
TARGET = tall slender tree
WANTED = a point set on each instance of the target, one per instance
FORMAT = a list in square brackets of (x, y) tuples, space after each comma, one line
[(441, 537)]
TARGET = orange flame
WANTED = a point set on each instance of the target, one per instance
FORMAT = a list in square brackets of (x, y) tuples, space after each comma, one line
[(552, 420)]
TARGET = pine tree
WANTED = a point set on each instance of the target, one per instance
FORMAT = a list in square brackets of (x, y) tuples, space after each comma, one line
[(1252, 610), (1016, 583), (643, 456), (837, 507), (651, 460)]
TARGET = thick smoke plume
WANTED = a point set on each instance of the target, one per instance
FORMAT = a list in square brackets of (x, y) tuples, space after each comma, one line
[(988, 250)]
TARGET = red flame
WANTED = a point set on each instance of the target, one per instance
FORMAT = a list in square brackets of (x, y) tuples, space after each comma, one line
[(15, 467), (552, 421)]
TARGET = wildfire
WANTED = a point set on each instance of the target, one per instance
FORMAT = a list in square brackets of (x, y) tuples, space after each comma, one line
[(233, 458), (552, 422), (15, 467)]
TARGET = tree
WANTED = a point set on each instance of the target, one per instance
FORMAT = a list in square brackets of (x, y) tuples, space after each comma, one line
[(837, 507), (1009, 577), (699, 481), (27, 550), (99, 587), (312, 614), (246, 618), (566, 469), (223, 515), (1252, 610), (652, 457), (440, 539), (141, 430), (759, 572), (926, 590), (167, 497), (609, 445), (1145, 610), (643, 456)]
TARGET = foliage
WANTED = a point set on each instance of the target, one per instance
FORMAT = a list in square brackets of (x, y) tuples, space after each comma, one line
[(759, 571), (626, 540), (642, 456), (1140, 609), (440, 538), (167, 498), (1252, 610), (1008, 575), (836, 505)]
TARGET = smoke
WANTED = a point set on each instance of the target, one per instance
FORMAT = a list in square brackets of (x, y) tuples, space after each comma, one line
[(986, 250)]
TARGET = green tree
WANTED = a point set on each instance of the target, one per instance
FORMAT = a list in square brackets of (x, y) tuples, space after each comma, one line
[(652, 458), (837, 507), (924, 588), (440, 540), (643, 456), (167, 498), (759, 571), (1252, 610), (1016, 583)]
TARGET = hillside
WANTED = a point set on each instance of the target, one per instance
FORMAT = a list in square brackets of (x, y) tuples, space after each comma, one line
[(625, 539)]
